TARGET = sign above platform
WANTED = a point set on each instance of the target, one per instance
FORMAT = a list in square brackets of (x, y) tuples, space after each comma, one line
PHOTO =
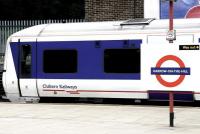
[(182, 9)]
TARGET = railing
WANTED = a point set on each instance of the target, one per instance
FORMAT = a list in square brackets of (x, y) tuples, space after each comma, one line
[(9, 27), (1, 61)]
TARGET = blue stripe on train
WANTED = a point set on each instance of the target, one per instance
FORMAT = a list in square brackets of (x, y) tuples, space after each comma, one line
[(88, 52), (164, 96)]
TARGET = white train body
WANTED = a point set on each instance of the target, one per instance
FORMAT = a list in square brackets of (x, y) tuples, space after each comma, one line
[(102, 60)]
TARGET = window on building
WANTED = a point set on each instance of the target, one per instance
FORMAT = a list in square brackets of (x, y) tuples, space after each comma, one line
[(122, 61), (60, 61)]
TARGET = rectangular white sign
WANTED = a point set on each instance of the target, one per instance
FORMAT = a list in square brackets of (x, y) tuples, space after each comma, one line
[(171, 67)]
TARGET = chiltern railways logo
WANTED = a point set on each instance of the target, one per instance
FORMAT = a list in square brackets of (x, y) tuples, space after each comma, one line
[(181, 71)]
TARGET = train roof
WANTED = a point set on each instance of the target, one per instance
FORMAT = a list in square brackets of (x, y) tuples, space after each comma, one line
[(64, 29)]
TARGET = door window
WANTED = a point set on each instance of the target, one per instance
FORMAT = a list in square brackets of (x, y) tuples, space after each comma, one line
[(25, 55)]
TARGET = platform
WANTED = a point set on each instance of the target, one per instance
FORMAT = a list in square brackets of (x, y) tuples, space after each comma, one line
[(95, 119)]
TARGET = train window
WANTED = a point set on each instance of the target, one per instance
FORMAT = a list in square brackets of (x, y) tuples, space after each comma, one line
[(25, 61), (122, 61), (60, 61)]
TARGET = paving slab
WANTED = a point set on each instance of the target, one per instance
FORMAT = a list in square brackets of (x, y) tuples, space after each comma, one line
[(70, 118)]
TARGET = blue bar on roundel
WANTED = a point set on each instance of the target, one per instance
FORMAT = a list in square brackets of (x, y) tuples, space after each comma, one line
[(170, 71)]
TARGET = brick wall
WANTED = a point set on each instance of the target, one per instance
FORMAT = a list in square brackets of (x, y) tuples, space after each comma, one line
[(107, 10)]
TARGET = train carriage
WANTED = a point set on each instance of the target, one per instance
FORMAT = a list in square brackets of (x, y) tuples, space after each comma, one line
[(120, 59)]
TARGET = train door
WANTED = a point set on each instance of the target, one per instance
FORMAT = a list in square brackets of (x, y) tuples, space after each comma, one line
[(27, 69)]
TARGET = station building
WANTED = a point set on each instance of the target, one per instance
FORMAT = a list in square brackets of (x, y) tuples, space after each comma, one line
[(111, 10)]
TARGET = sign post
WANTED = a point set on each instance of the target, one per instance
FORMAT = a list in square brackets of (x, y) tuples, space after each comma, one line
[(172, 37), (171, 14), (171, 109)]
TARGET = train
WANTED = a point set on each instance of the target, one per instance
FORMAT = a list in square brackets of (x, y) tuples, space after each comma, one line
[(114, 59)]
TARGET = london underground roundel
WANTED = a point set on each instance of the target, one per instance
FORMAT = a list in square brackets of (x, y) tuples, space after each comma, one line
[(159, 71)]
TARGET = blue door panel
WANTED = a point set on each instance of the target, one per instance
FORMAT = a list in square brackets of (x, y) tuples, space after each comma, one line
[(15, 49)]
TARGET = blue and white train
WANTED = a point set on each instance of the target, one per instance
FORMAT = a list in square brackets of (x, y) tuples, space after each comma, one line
[(129, 59)]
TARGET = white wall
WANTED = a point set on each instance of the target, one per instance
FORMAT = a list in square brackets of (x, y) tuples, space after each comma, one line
[(152, 9)]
